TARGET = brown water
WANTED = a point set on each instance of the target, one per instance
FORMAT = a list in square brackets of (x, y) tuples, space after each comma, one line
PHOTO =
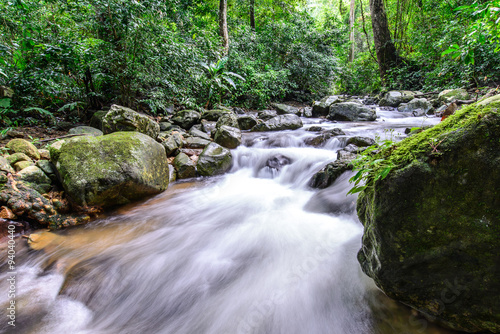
[(254, 251)]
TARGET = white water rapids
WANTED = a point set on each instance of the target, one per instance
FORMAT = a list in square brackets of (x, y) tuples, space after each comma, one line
[(255, 251)]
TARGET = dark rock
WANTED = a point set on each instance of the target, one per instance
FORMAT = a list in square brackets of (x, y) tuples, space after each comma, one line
[(186, 118), (96, 120), (352, 112), (246, 122), (165, 126), (228, 119), (228, 137), (196, 142), (184, 166), (322, 107), (278, 161), (214, 160), (315, 129), (267, 114), (284, 109), (327, 176), (361, 141), (198, 133), (172, 143), (213, 115), (336, 132), (318, 141)]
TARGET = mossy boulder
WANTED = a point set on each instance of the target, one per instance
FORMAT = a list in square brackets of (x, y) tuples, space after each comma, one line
[(213, 115), (214, 160), (322, 107), (228, 137), (329, 174), (184, 166), (432, 226), (36, 178), (227, 119), (450, 95), (16, 157), (283, 109), (96, 120), (246, 122), (23, 146), (85, 130), (186, 118), (417, 107), (111, 170), (120, 118), (20, 165), (395, 98)]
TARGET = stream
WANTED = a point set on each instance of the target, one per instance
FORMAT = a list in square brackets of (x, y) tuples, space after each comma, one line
[(255, 251)]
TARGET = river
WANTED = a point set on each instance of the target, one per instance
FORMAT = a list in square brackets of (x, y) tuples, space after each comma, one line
[(255, 251)]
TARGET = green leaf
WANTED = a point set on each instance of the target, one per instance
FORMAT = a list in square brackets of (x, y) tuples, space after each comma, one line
[(356, 190)]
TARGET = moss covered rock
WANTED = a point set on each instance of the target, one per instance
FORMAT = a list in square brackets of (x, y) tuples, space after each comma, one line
[(283, 109), (88, 130), (278, 123), (36, 178), (322, 107), (111, 170), (451, 95), (120, 118), (351, 112), (184, 166), (228, 137), (432, 226), (214, 160), (186, 118), (23, 146)]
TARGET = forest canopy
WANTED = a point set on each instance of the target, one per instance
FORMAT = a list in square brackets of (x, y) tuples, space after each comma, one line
[(60, 56)]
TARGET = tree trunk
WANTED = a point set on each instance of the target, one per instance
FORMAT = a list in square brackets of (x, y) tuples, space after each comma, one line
[(351, 31), (341, 8), (223, 26), (252, 14), (387, 55)]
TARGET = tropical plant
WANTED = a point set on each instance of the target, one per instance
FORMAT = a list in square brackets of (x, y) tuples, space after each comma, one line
[(218, 79)]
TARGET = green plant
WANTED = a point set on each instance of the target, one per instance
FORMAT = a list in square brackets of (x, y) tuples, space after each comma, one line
[(6, 113), (218, 79)]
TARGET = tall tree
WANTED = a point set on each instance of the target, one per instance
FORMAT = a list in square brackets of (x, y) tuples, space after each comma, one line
[(351, 30), (252, 14), (223, 26), (387, 55)]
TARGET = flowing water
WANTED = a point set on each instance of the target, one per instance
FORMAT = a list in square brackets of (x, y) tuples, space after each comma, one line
[(254, 251)]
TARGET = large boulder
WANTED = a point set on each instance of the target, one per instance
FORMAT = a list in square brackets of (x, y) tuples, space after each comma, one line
[(450, 95), (395, 98), (283, 109), (85, 130), (352, 112), (432, 225), (228, 119), (322, 107), (110, 170), (186, 118), (246, 122), (23, 146), (214, 160), (278, 123), (120, 118), (417, 107), (228, 137), (266, 115)]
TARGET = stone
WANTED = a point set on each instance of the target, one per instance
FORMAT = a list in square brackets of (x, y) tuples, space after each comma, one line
[(395, 98), (36, 178), (15, 134), (85, 130), (208, 126), (186, 118), (331, 172), (16, 157), (23, 146), (336, 132), (351, 112), (214, 160), (417, 107), (173, 142), (46, 166), (121, 118), (5, 165), (278, 161), (6, 213), (228, 119), (278, 123), (198, 133), (246, 122), (165, 126), (318, 141), (44, 154), (348, 153), (361, 141), (96, 120), (450, 95), (315, 128), (20, 165), (184, 166), (283, 109), (111, 170), (196, 142), (213, 115), (431, 227), (308, 112), (267, 114), (322, 107), (228, 137)]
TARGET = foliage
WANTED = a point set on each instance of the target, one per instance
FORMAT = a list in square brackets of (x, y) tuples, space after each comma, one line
[(218, 79)]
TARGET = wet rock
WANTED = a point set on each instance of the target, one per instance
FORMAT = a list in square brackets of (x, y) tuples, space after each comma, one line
[(318, 141), (348, 153), (120, 118), (5, 165), (195, 142), (283, 109), (278, 161), (369, 100), (352, 112), (267, 114), (23, 146), (278, 123), (228, 137), (96, 120), (36, 178), (20, 165), (336, 132), (361, 141), (79, 130), (198, 133), (395, 98), (214, 160), (228, 119), (184, 166), (307, 112), (172, 174), (331, 172), (417, 107), (208, 126), (431, 238), (186, 118), (322, 107), (173, 142), (450, 95), (246, 122), (214, 115), (112, 169), (315, 129)]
